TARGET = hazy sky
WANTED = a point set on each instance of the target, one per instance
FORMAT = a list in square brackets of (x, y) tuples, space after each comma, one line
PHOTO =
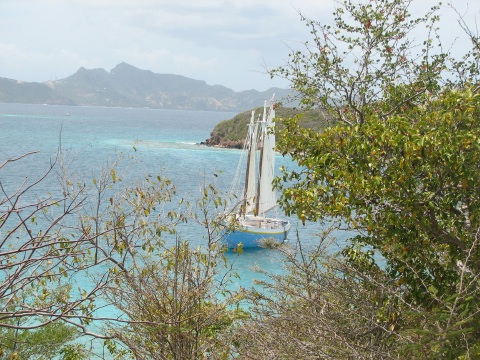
[(226, 42)]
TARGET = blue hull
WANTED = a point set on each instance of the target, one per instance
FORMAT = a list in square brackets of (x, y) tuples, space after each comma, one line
[(252, 237)]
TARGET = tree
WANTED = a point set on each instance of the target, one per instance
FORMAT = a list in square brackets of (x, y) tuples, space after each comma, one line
[(174, 305), (84, 247), (175, 298), (401, 171), (36, 255), (52, 242), (408, 186), (328, 306), (323, 307), (363, 57), (45, 342)]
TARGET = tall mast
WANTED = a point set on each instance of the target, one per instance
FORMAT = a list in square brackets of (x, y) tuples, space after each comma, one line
[(262, 143), (250, 175)]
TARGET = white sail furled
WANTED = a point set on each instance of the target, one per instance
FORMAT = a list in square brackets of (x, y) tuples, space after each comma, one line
[(266, 195), (251, 174)]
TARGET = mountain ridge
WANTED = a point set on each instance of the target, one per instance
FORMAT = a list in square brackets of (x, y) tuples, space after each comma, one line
[(128, 86)]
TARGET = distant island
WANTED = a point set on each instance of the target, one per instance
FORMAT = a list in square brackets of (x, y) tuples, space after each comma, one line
[(128, 86)]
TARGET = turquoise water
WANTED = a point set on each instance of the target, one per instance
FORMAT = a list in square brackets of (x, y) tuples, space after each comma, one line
[(157, 142), (160, 142)]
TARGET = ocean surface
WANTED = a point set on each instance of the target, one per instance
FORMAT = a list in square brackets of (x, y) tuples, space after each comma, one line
[(155, 142)]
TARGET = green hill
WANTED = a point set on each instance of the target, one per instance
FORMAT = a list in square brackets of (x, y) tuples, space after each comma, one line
[(231, 133)]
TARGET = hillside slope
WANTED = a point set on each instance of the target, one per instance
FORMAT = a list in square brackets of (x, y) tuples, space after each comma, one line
[(128, 86), (232, 133)]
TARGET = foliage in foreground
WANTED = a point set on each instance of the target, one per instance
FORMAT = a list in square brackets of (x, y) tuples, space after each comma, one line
[(401, 172), (46, 342), (329, 307), (408, 185), (323, 307), (176, 304)]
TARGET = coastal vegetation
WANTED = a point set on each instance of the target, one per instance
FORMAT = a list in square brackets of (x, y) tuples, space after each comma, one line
[(231, 133), (396, 168)]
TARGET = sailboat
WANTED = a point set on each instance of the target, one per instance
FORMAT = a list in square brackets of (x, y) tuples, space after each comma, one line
[(249, 224)]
